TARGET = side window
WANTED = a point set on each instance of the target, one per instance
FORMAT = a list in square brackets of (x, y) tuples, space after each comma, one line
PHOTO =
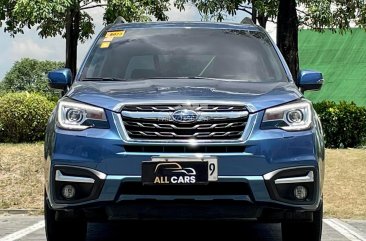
[(141, 67)]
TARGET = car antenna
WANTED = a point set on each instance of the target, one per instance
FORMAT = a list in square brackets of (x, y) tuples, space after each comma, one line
[(247, 20), (120, 19)]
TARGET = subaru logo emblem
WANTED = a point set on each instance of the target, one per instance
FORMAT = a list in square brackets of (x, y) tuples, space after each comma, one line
[(185, 116)]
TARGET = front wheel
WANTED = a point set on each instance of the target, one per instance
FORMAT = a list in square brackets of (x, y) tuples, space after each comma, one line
[(304, 231), (63, 230)]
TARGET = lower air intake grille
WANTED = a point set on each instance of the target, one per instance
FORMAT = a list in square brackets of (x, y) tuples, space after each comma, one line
[(213, 188)]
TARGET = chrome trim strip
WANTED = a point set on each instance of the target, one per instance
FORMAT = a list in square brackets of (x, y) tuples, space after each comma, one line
[(308, 178), (249, 178), (270, 175), (206, 116), (208, 154), (167, 116), (99, 174), (63, 178), (121, 178)]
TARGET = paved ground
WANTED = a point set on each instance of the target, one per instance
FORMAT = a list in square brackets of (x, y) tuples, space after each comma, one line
[(20, 227)]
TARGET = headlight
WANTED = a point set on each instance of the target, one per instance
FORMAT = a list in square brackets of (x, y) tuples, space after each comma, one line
[(290, 117), (74, 115)]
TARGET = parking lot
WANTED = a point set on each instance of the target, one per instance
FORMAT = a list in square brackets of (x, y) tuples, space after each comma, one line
[(21, 227)]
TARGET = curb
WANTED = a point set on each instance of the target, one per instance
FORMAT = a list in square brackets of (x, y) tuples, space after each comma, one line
[(20, 211)]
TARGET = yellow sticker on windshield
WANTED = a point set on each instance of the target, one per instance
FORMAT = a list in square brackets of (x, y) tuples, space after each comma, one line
[(105, 45), (115, 34), (109, 39)]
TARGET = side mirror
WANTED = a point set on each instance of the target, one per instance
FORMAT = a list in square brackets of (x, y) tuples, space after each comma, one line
[(60, 79), (310, 80)]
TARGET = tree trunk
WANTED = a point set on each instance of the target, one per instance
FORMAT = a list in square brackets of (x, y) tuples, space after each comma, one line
[(72, 38), (262, 20), (254, 12), (287, 34)]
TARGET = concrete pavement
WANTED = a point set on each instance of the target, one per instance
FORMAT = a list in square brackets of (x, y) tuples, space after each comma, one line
[(23, 227)]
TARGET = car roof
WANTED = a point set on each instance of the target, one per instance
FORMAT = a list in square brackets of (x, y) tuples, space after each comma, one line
[(202, 25)]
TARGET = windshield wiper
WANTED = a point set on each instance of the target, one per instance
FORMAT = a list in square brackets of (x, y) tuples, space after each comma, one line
[(184, 77), (103, 79), (146, 78)]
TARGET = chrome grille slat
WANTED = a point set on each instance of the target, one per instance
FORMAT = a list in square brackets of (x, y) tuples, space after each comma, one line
[(165, 108), (155, 122), (167, 116), (172, 134)]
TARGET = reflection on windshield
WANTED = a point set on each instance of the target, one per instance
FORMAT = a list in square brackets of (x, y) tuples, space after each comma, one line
[(186, 53)]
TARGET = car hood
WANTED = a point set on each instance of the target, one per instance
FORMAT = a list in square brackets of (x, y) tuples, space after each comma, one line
[(112, 95)]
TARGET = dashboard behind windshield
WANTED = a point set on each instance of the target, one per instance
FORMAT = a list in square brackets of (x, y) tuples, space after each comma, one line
[(134, 54)]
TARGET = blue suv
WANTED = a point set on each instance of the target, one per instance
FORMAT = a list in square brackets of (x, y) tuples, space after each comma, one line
[(184, 120)]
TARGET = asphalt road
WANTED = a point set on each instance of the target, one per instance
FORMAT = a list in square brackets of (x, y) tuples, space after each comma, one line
[(21, 227)]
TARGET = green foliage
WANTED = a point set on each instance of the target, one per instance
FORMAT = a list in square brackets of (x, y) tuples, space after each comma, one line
[(71, 19), (31, 75), (337, 15), (344, 124), (134, 11), (2, 88), (24, 117), (50, 17)]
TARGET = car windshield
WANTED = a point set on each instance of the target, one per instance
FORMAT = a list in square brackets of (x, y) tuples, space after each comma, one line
[(135, 54)]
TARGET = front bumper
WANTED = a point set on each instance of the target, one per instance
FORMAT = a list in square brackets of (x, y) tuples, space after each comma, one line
[(115, 190), (266, 153)]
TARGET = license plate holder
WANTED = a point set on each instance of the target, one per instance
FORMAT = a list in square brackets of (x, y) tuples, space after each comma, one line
[(179, 171)]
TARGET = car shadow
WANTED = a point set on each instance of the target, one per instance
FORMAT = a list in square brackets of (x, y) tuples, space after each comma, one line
[(184, 229)]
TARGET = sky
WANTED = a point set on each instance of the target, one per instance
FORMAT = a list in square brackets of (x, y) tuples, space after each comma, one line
[(30, 45)]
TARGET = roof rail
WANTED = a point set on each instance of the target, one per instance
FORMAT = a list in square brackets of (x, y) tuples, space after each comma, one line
[(247, 20), (120, 19)]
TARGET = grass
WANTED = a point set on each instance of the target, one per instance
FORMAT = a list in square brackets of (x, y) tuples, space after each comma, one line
[(21, 180), (21, 176), (342, 60), (345, 183)]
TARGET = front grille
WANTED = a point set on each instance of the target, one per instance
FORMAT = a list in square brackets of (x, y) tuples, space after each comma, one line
[(185, 149), (214, 122)]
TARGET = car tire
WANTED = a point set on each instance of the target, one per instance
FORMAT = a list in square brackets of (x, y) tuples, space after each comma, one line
[(75, 229), (304, 231)]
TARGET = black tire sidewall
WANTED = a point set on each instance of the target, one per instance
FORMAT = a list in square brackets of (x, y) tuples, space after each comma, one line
[(304, 231), (61, 230)]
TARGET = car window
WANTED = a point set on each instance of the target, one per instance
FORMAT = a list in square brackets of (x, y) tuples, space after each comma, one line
[(172, 53)]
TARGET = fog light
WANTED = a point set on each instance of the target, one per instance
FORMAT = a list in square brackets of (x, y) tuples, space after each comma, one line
[(68, 191), (300, 192)]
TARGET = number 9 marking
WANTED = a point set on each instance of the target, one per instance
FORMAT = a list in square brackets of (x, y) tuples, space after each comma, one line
[(212, 168)]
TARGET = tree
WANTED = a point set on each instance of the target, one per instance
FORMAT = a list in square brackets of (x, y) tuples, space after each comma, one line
[(287, 34), (337, 15), (30, 75), (260, 10), (70, 19)]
